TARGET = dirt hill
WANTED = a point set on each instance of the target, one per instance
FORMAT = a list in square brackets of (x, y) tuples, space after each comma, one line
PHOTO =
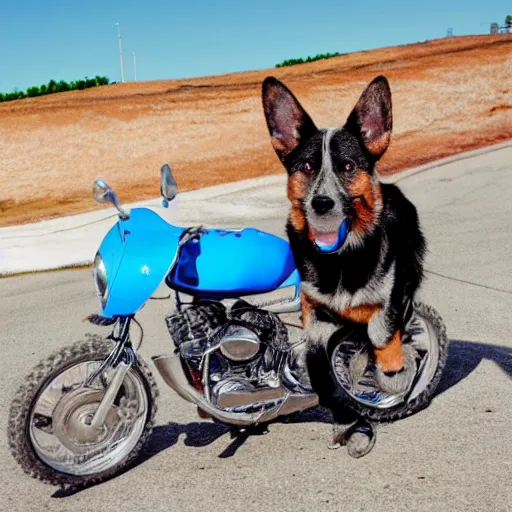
[(449, 95)]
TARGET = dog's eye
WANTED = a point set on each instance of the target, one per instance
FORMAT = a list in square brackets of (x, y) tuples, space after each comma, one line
[(308, 169), (348, 166)]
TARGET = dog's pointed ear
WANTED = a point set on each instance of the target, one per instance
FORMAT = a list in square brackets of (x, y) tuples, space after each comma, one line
[(288, 123), (371, 121)]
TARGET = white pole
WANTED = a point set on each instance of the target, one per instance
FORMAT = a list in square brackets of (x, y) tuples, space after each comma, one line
[(120, 50), (134, 67)]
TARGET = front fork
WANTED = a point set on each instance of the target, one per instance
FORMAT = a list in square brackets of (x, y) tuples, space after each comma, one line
[(120, 359)]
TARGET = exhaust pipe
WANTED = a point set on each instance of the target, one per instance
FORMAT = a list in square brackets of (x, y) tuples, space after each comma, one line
[(171, 371)]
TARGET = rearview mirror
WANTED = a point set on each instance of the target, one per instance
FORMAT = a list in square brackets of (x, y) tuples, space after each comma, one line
[(103, 193), (168, 185)]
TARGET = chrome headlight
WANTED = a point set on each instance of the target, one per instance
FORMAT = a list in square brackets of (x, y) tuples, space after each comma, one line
[(99, 273)]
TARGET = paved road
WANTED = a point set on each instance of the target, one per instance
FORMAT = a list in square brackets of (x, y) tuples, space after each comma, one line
[(456, 455)]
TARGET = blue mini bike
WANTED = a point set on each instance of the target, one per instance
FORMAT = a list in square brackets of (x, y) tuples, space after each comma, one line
[(85, 412)]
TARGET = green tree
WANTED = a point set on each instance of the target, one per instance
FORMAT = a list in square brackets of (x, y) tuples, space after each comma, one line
[(54, 87), (51, 88), (62, 86), (32, 92), (16, 95), (101, 80), (319, 56), (90, 82)]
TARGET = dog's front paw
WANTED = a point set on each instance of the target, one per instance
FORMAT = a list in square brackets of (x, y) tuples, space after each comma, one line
[(360, 439), (398, 382)]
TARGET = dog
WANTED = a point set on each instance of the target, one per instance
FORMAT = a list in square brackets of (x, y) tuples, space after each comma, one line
[(357, 242)]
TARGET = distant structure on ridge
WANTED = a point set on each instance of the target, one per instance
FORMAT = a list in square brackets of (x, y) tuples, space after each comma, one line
[(506, 29)]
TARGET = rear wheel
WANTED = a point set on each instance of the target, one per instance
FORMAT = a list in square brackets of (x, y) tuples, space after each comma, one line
[(353, 369), (50, 432)]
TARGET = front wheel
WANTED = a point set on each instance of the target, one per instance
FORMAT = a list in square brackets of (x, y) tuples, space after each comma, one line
[(49, 428), (353, 369)]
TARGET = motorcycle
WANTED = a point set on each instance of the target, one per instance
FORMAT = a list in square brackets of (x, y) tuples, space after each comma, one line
[(85, 412)]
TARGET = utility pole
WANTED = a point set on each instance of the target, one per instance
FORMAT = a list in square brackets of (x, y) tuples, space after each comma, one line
[(134, 67), (120, 50)]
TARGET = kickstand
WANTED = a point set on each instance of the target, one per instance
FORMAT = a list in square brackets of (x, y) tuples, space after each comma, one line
[(249, 430)]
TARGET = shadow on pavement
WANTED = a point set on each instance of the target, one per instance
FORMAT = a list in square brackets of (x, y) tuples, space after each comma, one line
[(463, 358)]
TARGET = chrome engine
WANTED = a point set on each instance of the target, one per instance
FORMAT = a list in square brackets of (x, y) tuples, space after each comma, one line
[(240, 360), (239, 343)]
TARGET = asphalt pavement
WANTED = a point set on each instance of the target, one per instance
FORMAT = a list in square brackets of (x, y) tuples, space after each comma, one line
[(454, 456)]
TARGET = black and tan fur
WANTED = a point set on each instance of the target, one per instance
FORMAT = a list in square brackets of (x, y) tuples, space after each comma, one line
[(372, 278)]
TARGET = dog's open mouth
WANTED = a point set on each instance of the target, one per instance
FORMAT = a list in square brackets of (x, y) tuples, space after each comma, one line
[(325, 239), (331, 241)]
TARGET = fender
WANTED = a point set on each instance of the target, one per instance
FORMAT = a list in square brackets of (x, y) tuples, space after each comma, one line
[(138, 253)]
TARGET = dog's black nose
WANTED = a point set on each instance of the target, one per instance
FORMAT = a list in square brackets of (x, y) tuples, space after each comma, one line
[(322, 204)]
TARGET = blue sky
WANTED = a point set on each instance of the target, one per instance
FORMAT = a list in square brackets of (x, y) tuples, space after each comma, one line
[(63, 39)]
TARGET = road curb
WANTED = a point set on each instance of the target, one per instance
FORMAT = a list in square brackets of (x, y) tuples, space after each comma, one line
[(72, 241), (407, 173)]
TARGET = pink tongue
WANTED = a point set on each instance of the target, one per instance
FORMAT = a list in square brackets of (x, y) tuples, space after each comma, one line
[(326, 238)]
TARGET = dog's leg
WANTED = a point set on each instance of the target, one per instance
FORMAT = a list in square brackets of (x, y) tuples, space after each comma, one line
[(349, 430), (307, 308), (395, 363), (354, 432), (386, 341), (396, 381), (390, 357)]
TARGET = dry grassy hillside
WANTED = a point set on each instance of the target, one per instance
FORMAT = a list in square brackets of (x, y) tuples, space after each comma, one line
[(449, 95)]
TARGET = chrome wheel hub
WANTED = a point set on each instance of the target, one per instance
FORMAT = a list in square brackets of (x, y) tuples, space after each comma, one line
[(72, 418), (355, 370), (60, 422)]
